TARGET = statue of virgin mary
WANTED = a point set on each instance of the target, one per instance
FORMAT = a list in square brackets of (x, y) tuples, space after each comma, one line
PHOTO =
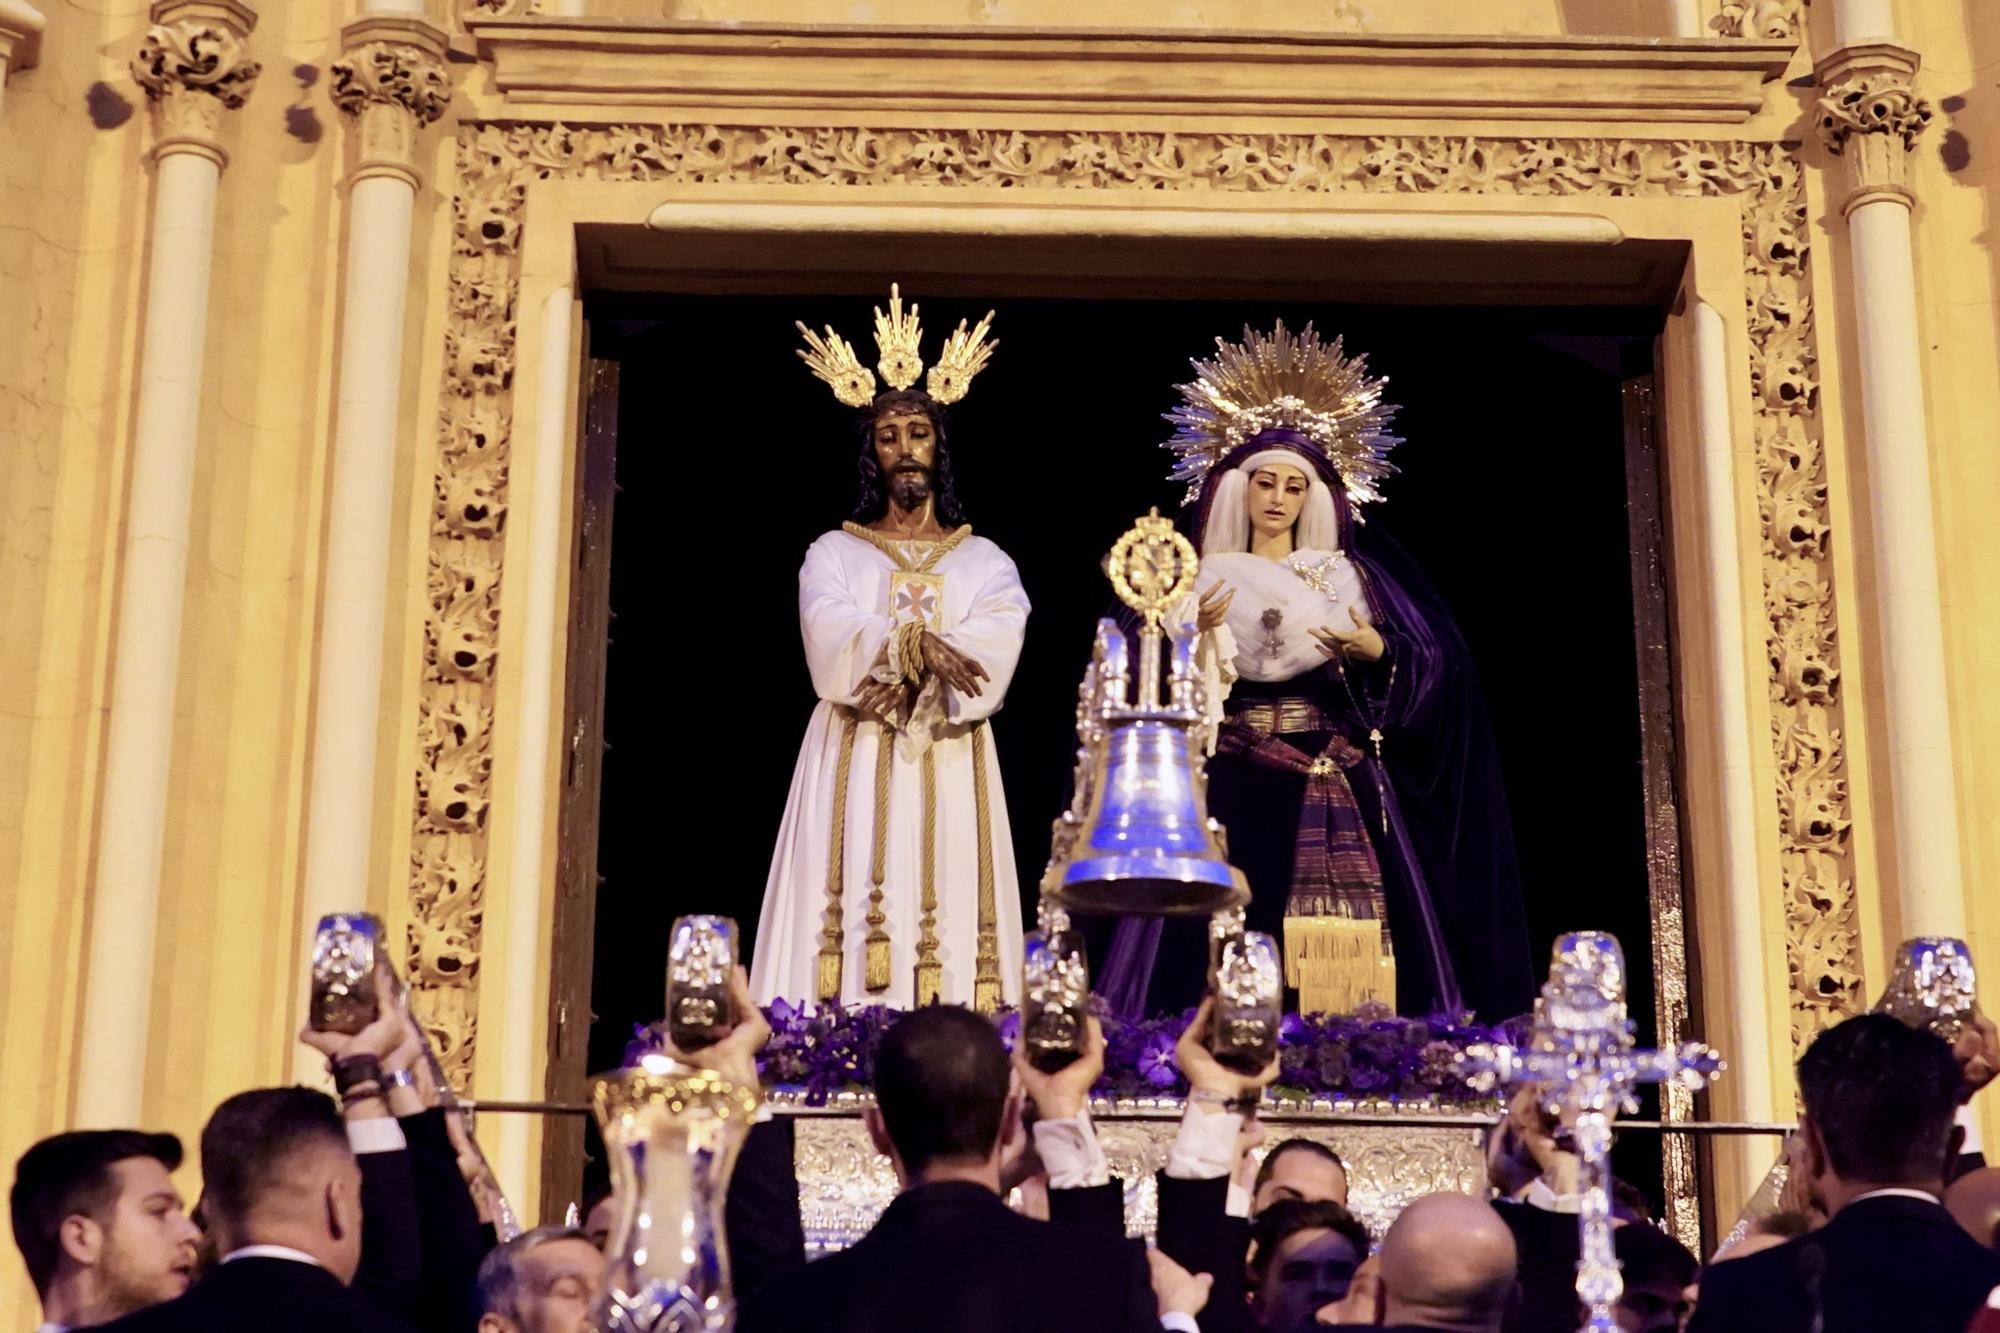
[(1354, 767)]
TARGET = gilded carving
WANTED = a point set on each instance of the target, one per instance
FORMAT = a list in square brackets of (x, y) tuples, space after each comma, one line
[(496, 162), (192, 71), (1870, 116), (393, 85)]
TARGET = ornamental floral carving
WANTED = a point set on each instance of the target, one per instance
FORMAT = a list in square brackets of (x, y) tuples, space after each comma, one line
[(391, 74), (193, 71), (497, 161), (1771, 20), (1871, 117), (392, 80)]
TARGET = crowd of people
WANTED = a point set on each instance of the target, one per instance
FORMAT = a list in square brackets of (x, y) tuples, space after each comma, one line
[(363, 1211)]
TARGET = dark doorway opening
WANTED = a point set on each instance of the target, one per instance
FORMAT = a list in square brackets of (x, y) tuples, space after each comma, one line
[(731, 459)]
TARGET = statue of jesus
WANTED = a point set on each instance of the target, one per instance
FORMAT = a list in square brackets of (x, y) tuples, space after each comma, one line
[(893, 879)]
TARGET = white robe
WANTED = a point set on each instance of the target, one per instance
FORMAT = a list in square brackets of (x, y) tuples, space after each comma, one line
[(845, 618)]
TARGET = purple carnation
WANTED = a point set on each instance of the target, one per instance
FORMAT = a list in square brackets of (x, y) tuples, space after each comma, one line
[(1156, 1061)]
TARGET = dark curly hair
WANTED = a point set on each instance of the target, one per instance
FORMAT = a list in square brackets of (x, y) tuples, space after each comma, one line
[(873, 497)]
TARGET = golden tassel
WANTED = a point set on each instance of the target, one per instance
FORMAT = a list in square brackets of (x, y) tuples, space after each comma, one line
[(833, 936), (930, 972), (875, 976), (1337, 963)]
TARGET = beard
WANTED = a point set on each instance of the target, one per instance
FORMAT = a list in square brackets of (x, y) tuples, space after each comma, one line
[(909, 486)]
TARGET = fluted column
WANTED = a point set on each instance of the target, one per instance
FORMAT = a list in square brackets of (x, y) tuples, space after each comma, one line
[(20, 40), (391, 82), (194, 65), (1870, 117)]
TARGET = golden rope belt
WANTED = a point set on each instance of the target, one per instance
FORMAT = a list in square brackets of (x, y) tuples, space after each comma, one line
[(876, 968)]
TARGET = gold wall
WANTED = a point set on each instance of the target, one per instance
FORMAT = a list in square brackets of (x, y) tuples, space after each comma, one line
[(74, 197)]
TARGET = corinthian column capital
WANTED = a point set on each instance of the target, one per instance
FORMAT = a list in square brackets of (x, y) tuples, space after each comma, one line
[(391, 78), (194, 64), (1870, 116)]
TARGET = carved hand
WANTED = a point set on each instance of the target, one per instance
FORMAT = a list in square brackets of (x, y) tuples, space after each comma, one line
[(883, 699), (954, 668), (1213, 608), (1362, 641)]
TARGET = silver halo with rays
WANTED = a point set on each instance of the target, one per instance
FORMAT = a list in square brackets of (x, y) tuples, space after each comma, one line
[(1295, 382)]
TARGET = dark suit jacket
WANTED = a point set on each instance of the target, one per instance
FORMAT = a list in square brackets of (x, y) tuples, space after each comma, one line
[(954, 1256), (391, 1275), (767, 1241), (448, 1231), (260, 1295), (1195, 1231), (1884, 1265), (1547, 1247)]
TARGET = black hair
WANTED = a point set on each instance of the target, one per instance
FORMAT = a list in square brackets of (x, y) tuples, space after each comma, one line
[(941, 1080), (1286, 1218), (1650, 1255), (1882, 1095), (1786, 1226), (872, 499), (1311, 1146), (253, 1136), (68, 1174)]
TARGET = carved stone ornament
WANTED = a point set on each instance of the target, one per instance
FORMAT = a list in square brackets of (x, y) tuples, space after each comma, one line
[(497, 161), (393, 81), (1772, 20), (193, 69), (1870, 116)]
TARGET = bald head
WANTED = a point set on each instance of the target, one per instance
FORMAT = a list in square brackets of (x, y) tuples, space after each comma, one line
[(1448, 1263)]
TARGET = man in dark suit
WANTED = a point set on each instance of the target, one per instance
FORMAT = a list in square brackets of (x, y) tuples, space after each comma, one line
[(101, 1226), (283, 1201), (949, 1253), (1877, 1137)]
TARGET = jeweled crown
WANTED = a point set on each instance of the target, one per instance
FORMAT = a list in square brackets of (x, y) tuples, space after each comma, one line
[(897, 343)]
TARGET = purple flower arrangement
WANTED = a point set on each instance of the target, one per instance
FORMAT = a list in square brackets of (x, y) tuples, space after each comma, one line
[(819, 1051)]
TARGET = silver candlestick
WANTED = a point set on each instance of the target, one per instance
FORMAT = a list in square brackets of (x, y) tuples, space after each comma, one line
[(1581, 1060)]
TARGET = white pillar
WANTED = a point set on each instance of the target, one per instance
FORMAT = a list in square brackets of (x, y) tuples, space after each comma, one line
[(1870, 116), (1749, 1032), (146, 648), (523, 988), (1686, 18), (1859, 21), (20, 39), (391, 79)]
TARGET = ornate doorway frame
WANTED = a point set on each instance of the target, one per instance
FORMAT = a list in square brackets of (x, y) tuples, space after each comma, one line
[(1770, 879)]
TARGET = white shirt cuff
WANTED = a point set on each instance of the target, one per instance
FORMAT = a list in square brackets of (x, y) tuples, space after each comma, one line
[(1179, 1321), (1238, 1202), (1969, 1122), (1539, 1195), (1206, 1146), (1070, 1153), (376, 1134)]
